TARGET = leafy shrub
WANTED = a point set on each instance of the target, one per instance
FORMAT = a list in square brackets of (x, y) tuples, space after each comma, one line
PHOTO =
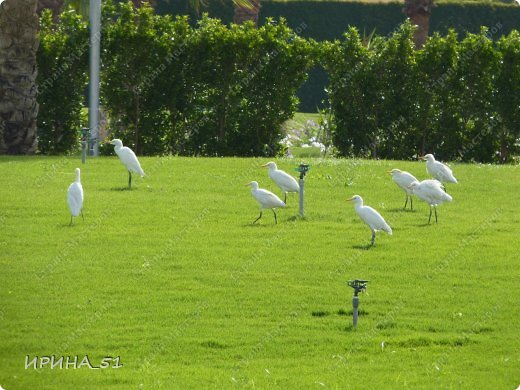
[(449, 98), (205, 90), (62, 65)]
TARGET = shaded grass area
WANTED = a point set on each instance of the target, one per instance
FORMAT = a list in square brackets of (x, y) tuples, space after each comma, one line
[(173, 278)]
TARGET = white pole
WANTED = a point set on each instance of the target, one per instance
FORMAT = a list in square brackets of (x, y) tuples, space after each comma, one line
[(95, 38)]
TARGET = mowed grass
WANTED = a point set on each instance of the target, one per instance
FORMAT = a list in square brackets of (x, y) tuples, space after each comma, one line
[(173, 278)]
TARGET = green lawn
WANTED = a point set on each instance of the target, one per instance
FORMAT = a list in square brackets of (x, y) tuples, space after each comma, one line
[(173, 279)]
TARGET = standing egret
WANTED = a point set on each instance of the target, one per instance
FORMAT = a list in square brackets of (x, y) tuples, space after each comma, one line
[(371, 217), (432, 193), (403, 179), (128, 158), (286, 182), (438, 170), (266, 199), (75, 197)]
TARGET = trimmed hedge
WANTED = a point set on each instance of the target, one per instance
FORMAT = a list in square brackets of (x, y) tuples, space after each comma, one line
[(208, 90), (62, 63), (458, 99), (328, 20)]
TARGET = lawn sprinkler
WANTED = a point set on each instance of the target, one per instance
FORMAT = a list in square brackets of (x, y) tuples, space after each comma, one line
[(358, 286), (84, 143), (303, 169)]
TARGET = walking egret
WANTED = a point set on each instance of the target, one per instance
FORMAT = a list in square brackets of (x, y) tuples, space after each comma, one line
[(128, 158), (371, 217), (266, 199), (438, 170), (75, 197), (286, 182), (432, 193), (403, 179)]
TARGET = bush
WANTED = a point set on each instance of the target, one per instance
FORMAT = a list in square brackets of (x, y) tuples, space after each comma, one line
[(62, 64), (328, 20), (455, 99), (209, 90)]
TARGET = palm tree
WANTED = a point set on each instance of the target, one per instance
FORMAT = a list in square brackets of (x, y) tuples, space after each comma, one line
[(18, 105), (419, 12), (246, 10)]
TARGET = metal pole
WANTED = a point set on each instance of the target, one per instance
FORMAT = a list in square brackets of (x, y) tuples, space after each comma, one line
[(302, 185), (95, 37), (355, 305)]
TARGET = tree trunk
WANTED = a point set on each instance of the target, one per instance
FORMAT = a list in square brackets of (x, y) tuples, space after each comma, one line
[(243, 13), (419, 12), (18, 105)]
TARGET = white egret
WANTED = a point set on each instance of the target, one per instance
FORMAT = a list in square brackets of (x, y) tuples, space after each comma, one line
[(286, 182), (266, 199), (432, 193), (75, 197), (438, 170), (371, 217), (403, 179), (128, 158)]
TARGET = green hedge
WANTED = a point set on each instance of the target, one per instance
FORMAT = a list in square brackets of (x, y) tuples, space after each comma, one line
[(210, 89), (457, 99), (62, 63), (328, 20), (204, 90)]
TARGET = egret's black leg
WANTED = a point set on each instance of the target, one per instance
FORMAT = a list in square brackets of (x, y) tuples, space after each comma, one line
[(260, 216), (435, 207), (275, 220), (129, 179), (430, 214), (70, 224), (82, 216), (285, 197), (411, 202), (405, 203), (373, 238)]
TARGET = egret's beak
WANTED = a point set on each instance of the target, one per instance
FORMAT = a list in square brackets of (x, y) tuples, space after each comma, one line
[(389, 172), (348, 200), (422, 157), (245, 185), (263, 166)]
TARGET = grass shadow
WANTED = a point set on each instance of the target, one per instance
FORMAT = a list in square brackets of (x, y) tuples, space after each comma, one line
[(401, 210), (75, 223), (121, 189), (296, 218), (363, 247), (257, 224), (424, 225)]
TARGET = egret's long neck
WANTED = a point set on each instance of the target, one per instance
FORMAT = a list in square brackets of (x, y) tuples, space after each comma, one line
[(358, 204), (78, 177)]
